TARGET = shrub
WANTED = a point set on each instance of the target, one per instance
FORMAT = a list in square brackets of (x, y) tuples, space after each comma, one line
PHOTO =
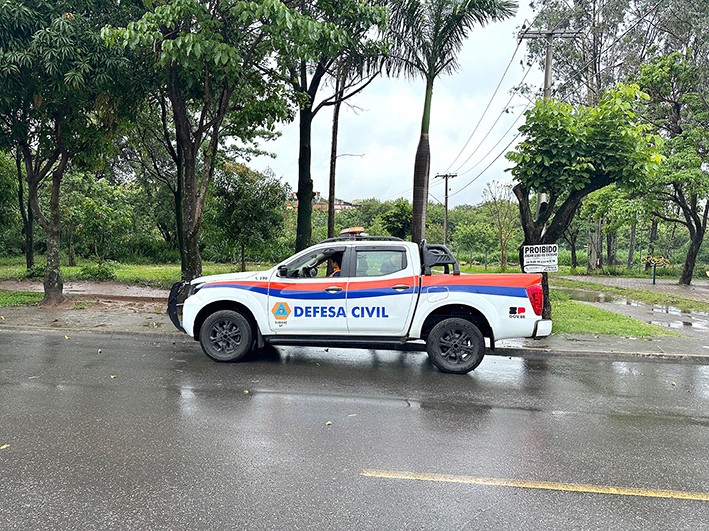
[(38, 271), (103, 271)]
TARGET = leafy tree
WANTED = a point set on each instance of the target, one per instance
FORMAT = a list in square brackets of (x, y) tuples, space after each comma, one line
[(60, 99), (355, 21), (213, 63), (502, 214), (397, 220), (679, 108), (364, 215), (9, 219), (96, 214), (474, 238), (570, 152), (247, 210), (426, 37)]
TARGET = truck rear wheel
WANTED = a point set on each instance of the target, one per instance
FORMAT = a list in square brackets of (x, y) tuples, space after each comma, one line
[(455, 345), (226, 335)]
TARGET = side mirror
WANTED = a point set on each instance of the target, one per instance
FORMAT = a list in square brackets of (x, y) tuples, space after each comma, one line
[(282, 271)]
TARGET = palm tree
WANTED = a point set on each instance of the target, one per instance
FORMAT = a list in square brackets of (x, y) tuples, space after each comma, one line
[(426, 37)]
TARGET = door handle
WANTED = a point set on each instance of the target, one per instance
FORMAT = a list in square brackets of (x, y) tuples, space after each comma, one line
[(333, 289), (400, 287)]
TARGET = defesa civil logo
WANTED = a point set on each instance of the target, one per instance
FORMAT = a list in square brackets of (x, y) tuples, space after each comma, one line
[(281, 311)]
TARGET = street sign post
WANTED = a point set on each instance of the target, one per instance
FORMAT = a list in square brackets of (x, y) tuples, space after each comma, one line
[(541, 258)]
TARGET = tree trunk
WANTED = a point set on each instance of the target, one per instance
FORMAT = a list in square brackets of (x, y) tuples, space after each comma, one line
[(26, 212), (333, 159), (653, 239), (53, 282), (697, 231), (422, 168), (192, 267), (611, 247), (243, 257), (304, 229), (29, 240), (631, 245), (571, 237), (574, 256), (690, 261), (180, 227), (595, 246), (56, 164)]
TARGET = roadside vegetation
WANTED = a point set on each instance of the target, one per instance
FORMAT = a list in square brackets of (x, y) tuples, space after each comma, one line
[(570, 317), (575, 317), (19, 298), (647, 296)]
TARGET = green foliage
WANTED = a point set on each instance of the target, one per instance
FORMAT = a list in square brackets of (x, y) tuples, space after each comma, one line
[(96, 215), (397, 220), (38, 271), (103, 271), (568, 149), (19, 298), (246, 211), (573, 317), (10, 222)]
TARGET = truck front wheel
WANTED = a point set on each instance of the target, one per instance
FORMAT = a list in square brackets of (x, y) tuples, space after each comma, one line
[(226, 335), (455, 345)]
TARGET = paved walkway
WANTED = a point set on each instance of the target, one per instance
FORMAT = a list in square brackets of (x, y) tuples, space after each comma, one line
[(122, 309)]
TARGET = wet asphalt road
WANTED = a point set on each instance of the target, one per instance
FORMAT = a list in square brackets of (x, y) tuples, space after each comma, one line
[(150, 434)]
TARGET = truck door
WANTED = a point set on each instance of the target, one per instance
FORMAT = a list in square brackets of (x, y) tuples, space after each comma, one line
[(382, 290), (303, 300)]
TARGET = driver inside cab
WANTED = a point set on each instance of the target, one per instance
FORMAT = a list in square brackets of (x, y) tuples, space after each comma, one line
[(335, 265)]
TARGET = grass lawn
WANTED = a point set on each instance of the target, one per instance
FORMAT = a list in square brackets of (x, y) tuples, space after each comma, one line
[(19, 298), (160, 275), (574, 317)]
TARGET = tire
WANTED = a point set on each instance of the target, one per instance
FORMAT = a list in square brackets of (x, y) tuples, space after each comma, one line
[(455, 346), (226, 335)]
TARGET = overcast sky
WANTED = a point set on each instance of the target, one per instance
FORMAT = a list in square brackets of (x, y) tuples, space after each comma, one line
[(383, 131)]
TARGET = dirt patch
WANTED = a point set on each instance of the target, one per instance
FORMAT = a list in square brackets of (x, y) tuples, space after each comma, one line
[(100, 296), (113, 305)]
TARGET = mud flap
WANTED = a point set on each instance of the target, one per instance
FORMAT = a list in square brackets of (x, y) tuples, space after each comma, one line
[(175, 301)]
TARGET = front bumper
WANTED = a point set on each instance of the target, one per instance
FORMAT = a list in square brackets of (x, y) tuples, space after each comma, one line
[(175, 301), (542, 328)]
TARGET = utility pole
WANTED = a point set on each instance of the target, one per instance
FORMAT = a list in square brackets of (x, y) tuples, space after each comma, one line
[(549, 35), (445, 177)]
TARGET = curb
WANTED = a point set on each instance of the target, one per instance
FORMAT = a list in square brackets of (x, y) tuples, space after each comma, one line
[(533, 353), (63, 330)]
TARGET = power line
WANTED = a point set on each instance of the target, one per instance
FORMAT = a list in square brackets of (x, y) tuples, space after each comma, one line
[(494, 123), (487, 107), (498, 142), (488, 166), (581, 70)]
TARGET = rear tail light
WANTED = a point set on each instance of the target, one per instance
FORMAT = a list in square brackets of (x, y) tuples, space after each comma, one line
[(536, 297)]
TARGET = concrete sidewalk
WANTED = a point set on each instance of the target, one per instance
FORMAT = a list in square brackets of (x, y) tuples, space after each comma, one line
[(114, 308)]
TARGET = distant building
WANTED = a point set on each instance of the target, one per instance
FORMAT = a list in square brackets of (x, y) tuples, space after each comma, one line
[(320, 203)]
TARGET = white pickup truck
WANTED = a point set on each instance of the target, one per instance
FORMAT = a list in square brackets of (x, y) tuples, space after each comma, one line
[(388, 293)]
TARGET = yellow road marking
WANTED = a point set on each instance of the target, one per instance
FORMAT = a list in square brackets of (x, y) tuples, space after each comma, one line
[(544, 485)]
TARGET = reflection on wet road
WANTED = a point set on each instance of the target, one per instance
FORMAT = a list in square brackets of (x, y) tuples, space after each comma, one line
[(151, 434)]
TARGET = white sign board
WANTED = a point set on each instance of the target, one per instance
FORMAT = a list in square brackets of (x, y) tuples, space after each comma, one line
[(541, 258)]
